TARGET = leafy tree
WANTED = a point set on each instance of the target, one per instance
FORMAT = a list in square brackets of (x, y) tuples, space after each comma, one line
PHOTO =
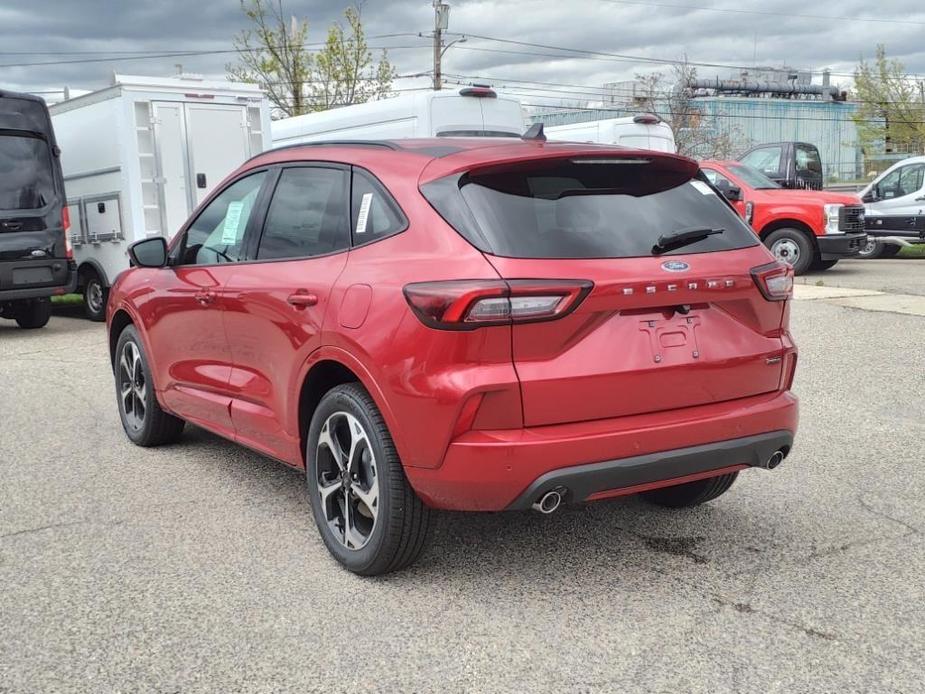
[(891, 106), (697, 134), (273, 54)]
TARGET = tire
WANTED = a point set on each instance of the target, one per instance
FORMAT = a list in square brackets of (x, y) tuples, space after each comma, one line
[(890, 250), (793, 247), (95, 297), (691, 493), (145, 423), (873, 250), (388, 524), (820, 265), (32, 313)]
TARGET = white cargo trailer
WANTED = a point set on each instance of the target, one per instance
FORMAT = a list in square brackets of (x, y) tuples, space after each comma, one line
[(644, 131), (140, 155), (476, 111)]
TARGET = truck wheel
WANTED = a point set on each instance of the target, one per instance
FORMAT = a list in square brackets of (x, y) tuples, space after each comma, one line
[(872, 249), (95, 296), (368, 515), (32, 313), (793, 247), (819, 265), (691, 493)]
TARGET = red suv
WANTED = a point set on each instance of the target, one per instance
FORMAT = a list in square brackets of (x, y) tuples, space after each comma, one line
[(463, 324)]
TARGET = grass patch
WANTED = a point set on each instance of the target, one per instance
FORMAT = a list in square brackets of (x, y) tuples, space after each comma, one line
[(912, 251), (68, 300)]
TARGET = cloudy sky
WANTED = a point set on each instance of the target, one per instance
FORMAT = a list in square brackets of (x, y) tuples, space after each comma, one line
[(49, 43)]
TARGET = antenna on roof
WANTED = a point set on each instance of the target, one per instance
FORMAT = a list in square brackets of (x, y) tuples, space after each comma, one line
[(535, 133)]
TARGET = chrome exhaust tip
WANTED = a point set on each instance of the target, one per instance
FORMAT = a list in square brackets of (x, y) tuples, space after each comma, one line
[(776, 459), (549, 502)]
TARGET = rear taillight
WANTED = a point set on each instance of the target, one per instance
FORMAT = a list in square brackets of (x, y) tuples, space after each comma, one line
[(66, 225), (775, 280), (470, 304)]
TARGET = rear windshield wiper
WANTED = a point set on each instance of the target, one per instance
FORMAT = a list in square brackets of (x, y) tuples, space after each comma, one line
[(682, 237)]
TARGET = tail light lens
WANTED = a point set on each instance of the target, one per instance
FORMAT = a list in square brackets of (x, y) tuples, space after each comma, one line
[(66, 225), (775, 280), (470, 304)]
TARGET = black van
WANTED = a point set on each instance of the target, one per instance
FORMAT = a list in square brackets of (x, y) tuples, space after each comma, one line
[(36, 261), (789, 164)]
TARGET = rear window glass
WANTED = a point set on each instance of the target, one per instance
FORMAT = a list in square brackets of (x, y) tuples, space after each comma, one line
[(586, 210), (26, 174)]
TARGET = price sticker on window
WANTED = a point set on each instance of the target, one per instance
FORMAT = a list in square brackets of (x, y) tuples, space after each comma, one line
[(364, 212), (702, 187), (232, 222)]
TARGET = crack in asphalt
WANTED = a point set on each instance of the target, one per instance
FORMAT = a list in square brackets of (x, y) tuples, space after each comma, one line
[(747, 608)]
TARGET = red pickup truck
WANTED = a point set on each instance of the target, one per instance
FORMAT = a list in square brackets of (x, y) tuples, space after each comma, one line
[(809, 229)]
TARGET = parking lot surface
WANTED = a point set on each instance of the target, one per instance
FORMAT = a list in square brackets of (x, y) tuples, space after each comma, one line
[(196, 567)]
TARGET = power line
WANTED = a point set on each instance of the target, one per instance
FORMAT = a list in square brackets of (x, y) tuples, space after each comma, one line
[(764, 12)]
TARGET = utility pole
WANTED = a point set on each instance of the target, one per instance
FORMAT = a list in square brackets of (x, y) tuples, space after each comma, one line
[(441, 22)]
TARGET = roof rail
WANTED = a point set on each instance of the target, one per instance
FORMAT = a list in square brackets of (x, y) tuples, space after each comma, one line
[(335, 143)]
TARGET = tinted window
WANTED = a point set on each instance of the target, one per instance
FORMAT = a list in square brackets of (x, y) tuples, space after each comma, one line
[(375, 214), (307, 216), (217, 235), (766, 160), (26, 174), (808, 159), (571, 210)]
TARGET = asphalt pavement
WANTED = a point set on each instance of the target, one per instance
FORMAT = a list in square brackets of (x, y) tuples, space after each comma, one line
[(196, 567)]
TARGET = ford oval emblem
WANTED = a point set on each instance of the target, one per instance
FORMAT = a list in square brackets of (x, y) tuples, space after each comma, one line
[(38, 253), (675, 266)]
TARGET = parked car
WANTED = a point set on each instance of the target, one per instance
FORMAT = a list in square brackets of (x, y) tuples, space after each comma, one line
[(642, 131), (809, 229), (789, 164), (140, 154), (895, 202), (35, 252), (468, 325), (474, 111)]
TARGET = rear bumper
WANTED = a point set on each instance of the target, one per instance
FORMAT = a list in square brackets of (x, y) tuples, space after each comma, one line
[(19, 293), (834, 246), (506, 469)]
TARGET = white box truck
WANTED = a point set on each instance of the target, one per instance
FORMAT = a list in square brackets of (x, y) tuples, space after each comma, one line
[(476, 111), (643, 131), (140, 155)]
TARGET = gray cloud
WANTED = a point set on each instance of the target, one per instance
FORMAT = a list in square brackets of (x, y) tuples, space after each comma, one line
[(31, 26)]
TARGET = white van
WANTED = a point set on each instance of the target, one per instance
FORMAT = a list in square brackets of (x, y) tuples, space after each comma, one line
[(645, 131), (895, 208), (476, 111), (140, 155)]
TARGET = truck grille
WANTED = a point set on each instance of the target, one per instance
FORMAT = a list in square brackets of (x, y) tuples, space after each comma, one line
[(851, 218)]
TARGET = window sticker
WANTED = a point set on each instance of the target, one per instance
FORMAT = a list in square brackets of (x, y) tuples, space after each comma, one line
[(364, 212), (702, 187), (232, 222)]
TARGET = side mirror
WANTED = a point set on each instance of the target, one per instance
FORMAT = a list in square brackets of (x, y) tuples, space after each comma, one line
[(733, 193), (870, 195), (149, 252)]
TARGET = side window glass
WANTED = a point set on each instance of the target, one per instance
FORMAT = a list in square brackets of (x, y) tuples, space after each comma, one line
[(374, 212), (717, 179), (766, 160), (910, 180), (217, 235), (889, 186), (307, 215)]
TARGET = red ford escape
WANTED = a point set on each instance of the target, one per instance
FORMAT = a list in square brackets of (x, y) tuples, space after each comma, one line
[(463, 324)]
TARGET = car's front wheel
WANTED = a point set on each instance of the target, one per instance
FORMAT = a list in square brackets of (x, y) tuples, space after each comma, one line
[(369, 518), (793, 247), (145, 423), (691, 493)]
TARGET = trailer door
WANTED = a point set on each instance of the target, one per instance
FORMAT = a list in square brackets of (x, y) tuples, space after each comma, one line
[(218, 143), (172, 171)]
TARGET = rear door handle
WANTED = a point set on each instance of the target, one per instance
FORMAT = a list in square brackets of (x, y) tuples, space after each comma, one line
[(302, 299), (205, 298)]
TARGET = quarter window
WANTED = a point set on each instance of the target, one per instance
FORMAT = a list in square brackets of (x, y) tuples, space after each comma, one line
[(307, 216), (217, 235), (374, 214)]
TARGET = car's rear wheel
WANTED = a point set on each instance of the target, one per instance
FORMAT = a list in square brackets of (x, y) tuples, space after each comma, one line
[(32, 313), (691, 493), (95, 297), (369, 518), (145, 423), (793, 247)]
